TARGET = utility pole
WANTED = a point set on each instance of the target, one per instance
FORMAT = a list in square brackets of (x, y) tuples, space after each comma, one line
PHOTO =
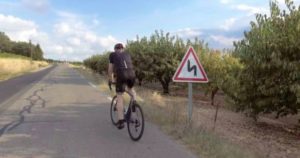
[(30, 49)]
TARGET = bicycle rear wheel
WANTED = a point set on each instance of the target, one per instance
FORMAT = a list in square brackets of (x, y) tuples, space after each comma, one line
[(114, 111), (136, 123)]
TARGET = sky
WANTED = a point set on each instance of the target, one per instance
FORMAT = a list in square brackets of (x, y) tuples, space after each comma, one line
[(76, 29)]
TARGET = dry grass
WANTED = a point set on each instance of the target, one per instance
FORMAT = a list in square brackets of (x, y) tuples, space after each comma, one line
[(10, 67), (76, 66), (169, 113)]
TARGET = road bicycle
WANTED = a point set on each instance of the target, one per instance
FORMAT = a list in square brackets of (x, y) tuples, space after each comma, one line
[(133, 116)]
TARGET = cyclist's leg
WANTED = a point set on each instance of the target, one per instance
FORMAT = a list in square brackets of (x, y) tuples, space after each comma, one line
[(130, 84), (120, 89), (120, 106), (132, 92)]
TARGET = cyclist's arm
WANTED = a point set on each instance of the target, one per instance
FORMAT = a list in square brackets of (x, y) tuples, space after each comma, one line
[(110, 71)]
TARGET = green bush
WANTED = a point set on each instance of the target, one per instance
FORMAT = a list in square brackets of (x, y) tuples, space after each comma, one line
[(270, 53)]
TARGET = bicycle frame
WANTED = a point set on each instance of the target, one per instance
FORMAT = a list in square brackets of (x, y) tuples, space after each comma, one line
[(134, 124), (130, 102), (128, 112)]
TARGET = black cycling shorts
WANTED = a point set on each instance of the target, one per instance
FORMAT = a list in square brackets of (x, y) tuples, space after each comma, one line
[(124, 78)]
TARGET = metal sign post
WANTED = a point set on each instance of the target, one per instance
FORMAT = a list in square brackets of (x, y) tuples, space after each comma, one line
[(190, 106)]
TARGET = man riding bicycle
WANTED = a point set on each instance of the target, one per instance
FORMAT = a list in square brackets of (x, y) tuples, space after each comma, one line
[(120, 66)]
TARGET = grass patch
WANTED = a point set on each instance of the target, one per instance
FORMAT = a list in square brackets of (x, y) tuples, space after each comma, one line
[(169, 113), (14, 56), (210, 145), (76, 66), (11, 67), (76, 63), (173, 120)]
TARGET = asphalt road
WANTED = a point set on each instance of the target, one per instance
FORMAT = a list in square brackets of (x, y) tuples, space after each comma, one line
[(10, 87), (63, 116)]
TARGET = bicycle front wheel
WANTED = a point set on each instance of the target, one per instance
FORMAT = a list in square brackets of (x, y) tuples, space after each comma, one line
[(136, 123), (114, 111)]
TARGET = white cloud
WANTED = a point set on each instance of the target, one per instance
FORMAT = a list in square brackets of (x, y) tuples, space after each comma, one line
[(90, 37), (188, 32), (72, 32), (74, 28), (19, 29), (223, 40), (62, 28), (251, 10), (70, 38), (228, 24), (74, 41), (226, 1), (282, 3), (24, 30), (38, 6)]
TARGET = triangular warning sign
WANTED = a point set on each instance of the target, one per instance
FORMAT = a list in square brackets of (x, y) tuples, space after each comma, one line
[(190, 69)]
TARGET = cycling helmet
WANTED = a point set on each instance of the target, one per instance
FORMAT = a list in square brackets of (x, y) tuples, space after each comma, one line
[(119, 46)]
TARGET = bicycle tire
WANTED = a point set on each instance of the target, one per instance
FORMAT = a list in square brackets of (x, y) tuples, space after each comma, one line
[(113, 111), (134, 122)]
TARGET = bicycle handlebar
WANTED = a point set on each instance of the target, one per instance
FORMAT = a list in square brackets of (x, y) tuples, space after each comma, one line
[(114, 83)]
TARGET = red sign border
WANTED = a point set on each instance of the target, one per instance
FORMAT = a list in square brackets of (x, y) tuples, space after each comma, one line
[(176, 77)]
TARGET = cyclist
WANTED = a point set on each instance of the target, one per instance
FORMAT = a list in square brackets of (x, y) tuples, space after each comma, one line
[(120, 66)]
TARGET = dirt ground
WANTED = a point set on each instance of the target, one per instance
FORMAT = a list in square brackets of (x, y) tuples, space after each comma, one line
[(269, 137)]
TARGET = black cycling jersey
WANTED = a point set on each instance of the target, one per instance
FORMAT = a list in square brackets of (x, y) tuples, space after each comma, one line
[(121, 61), (123, 70)]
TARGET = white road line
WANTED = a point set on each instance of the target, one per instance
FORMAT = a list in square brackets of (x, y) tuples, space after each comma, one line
[(92, 85)]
